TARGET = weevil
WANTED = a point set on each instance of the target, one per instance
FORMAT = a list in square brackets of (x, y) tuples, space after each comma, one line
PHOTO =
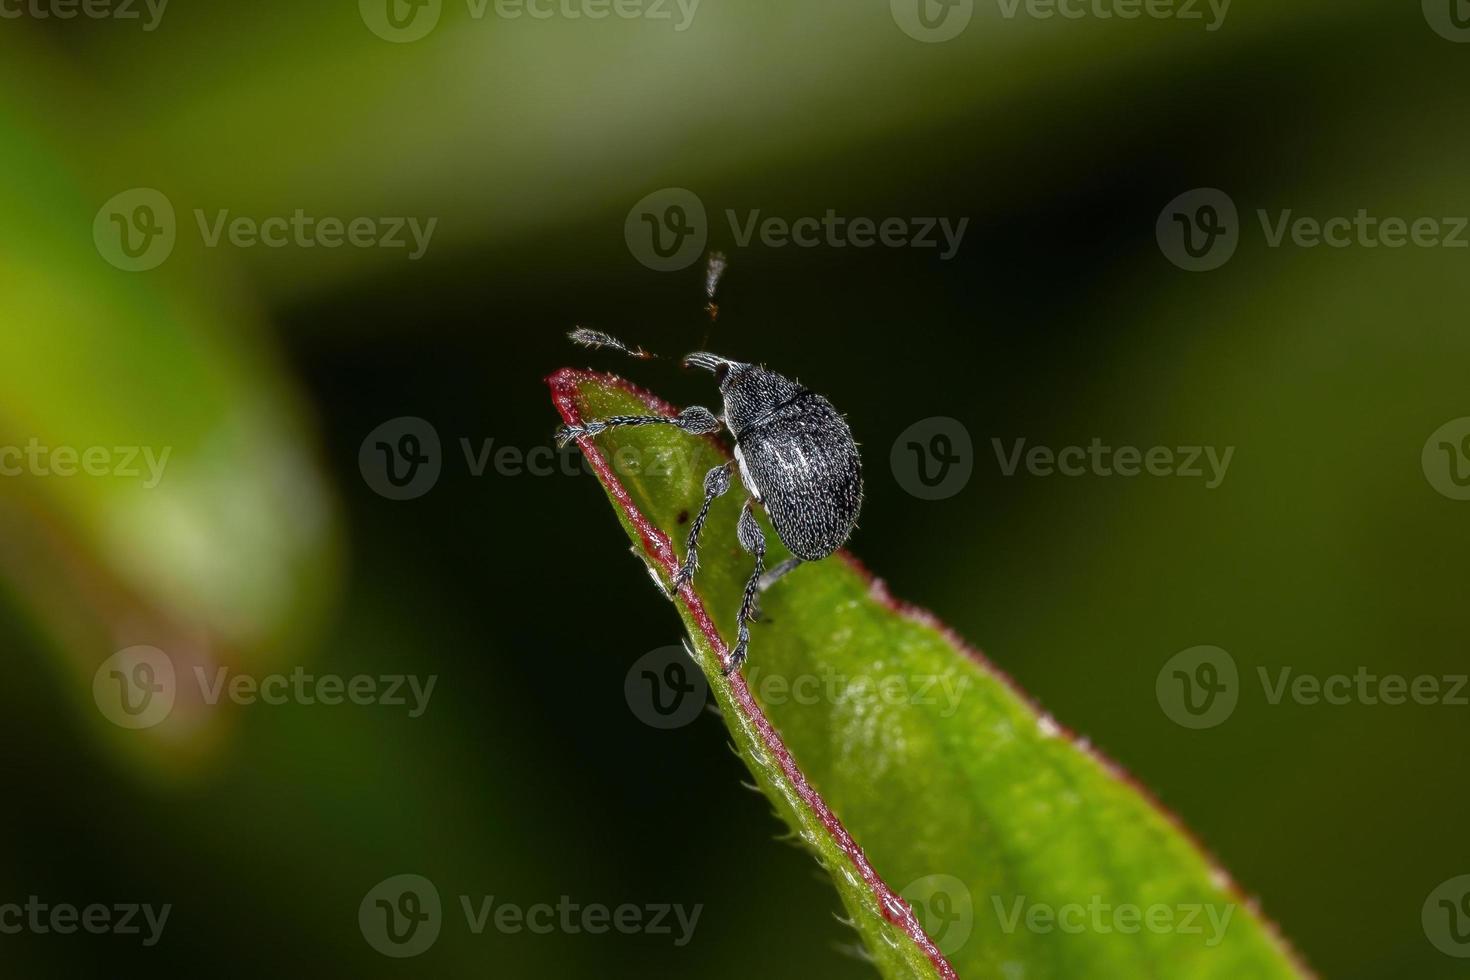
[(796, 457)]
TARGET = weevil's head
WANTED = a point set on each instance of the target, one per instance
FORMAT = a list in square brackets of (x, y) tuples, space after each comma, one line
[(749, 390), (720, 367)]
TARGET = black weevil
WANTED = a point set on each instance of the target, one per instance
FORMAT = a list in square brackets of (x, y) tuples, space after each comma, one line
[(796, 456)]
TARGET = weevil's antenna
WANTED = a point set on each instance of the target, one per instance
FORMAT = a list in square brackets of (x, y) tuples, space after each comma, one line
[(596, 339), (712, 273)]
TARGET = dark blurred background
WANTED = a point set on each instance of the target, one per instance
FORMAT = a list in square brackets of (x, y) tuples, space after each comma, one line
[(1333, 542)]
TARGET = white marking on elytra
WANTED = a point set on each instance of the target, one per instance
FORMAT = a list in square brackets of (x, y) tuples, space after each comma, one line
[(745, 477)]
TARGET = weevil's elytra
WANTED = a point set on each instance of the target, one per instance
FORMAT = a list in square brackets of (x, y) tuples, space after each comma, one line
[(796, 457)]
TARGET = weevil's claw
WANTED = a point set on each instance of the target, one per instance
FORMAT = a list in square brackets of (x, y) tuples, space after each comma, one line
[(737, 658), (683, 576), (567, 433)]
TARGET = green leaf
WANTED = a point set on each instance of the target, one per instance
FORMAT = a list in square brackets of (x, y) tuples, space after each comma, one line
[(967, 833), (201, 521)]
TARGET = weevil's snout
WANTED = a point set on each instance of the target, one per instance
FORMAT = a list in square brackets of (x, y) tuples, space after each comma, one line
[(714, 363)]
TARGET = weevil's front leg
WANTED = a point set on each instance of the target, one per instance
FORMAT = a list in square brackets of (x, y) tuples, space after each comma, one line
[(754, 541), (694, 420), (716, 482)]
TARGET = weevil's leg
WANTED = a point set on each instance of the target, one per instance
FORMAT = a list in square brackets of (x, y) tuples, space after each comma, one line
[(716, 482), (778, 573), (694, 420), (753, 541), (771, 578)]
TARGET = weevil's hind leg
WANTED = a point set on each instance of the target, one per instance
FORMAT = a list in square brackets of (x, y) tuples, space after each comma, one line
[(778, 573), (753, 540), (695, 420), (769, 579), (716, 482)]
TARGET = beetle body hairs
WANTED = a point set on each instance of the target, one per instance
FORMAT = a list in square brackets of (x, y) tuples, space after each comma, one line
[(795, 455)]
